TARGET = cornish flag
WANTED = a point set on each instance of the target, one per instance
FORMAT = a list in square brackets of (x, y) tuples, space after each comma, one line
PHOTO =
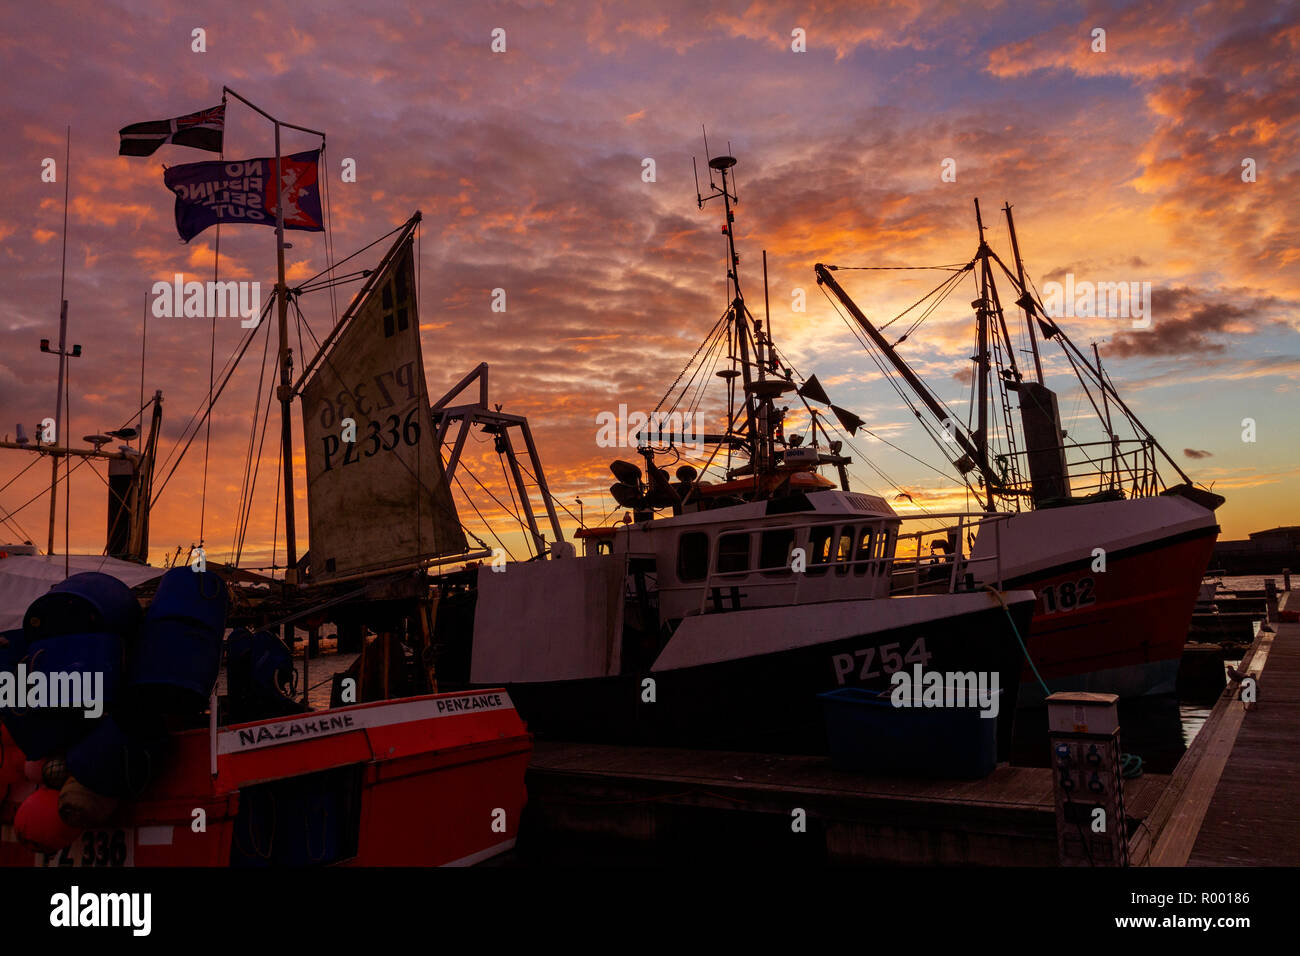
[(202, 130)]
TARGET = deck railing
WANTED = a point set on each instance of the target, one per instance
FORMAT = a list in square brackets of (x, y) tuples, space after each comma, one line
[(1125, 465)]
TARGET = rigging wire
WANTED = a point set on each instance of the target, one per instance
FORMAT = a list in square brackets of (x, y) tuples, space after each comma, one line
[(486, 523), (206, 407), (249, 486), (903, 396), (947, 267)]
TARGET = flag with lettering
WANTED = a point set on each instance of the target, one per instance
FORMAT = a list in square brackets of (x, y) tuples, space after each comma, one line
[(201, 130), (240, 191)]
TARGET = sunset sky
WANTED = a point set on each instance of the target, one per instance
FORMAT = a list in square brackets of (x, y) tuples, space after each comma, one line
[(1122, 165)]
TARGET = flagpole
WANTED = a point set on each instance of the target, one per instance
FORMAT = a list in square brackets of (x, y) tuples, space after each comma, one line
[(285, 390)]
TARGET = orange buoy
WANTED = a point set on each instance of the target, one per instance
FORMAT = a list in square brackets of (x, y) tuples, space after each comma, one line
[(39, 827), (12, 760)]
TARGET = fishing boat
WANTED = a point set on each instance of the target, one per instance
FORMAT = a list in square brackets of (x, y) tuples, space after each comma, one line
[(172, 772), (1113, 551), (719, 608)]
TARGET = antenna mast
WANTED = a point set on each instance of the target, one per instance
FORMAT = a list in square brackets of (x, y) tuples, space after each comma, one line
[(760, 415)]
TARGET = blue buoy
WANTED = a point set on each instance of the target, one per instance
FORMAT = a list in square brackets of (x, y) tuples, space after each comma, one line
[(272, 662), (84, 603), (176, 664), (257, 662), (178, 658), (189, 595), (116, 761), (43, 731), (65, 658)]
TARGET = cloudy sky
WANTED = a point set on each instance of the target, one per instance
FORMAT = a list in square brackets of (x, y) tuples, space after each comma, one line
[(528, 165)]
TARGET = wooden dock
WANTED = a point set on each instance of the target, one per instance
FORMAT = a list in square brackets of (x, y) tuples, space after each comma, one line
[(1230, 801), (667, 805)]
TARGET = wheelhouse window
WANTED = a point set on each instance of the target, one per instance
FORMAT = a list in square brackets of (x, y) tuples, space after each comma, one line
[(733, 553), (844, 550), (693, 556), (821, 540), (863, 554), (774, 550)]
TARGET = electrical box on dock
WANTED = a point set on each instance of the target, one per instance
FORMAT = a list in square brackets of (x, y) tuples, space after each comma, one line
[(1083, 731)]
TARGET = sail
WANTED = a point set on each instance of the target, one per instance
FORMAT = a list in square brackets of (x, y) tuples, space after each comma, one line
[(380, 501)]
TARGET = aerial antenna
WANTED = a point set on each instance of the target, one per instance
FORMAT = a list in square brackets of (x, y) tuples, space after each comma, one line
[(735, 184), (721, 164)]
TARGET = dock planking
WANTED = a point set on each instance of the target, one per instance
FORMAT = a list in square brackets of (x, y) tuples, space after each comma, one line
[(1227, 802), (1252, 818), (717, 800)]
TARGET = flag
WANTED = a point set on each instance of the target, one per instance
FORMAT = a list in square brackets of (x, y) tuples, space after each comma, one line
[(240, 191), (850, 421), (813, 391), (202, 130)]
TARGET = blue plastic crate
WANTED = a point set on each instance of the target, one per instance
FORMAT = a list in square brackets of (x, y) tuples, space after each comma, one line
[(866, 732)]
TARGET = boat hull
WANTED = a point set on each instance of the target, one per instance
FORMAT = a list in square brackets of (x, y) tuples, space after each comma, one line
[(768, 701), (424, 781), (1119, 630)]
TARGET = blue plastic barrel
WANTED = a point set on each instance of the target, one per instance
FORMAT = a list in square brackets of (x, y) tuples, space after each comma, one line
[(178, 657), (866, 732), (84, 603), (76, 654), (116, 761), (189, 595), (176, 664)]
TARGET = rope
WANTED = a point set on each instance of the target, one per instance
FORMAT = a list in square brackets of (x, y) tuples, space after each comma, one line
[(1015, 630), (1130, 764)]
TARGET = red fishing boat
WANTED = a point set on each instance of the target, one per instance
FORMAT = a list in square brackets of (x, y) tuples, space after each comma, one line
[(425, 781), (1115, 553)]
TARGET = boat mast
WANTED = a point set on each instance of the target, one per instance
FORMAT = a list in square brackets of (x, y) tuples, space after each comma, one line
[(1024, 302), (1105, 405), (62, 350), (760, 414), (1052, 329), (982, 342), (284, 392)]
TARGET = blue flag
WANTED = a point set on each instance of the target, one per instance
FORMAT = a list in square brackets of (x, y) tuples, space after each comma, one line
[(240, 191)]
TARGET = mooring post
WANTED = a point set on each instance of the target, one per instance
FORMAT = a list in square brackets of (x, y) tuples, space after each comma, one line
[(1286, 579), (1270, 599)]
